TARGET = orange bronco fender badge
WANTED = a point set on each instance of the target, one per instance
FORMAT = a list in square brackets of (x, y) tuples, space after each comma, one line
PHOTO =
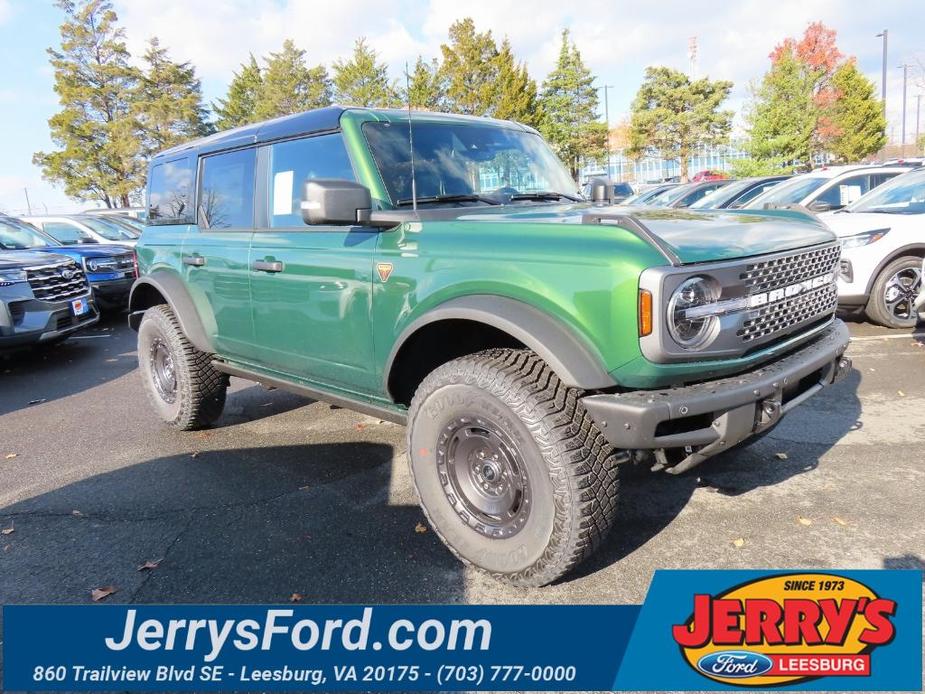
[(384, 270)]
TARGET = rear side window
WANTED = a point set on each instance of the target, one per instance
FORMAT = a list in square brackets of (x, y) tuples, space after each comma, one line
[(226, 197), (296, 161), (170, 186)]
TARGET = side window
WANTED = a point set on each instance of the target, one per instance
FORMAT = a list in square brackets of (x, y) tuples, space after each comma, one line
[(226, 193), (846, 191), (67, 233), (877, 179), (170, 186), (293, 162), (750, 195)]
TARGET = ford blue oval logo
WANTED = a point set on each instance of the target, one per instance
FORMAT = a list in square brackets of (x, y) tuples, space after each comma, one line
[(734, 664)]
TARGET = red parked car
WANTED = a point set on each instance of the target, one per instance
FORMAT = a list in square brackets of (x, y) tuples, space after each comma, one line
[(708, 176)]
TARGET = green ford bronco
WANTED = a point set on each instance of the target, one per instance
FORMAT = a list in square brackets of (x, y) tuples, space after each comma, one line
[(444, 272)]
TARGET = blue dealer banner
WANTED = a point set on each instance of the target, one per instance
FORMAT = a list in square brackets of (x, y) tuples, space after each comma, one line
[(819, 630)]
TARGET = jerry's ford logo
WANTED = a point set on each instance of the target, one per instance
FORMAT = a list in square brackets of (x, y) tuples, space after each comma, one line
[(736, 664)]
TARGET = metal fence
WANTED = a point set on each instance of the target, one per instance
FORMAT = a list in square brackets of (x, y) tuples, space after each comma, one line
[(653, 169)]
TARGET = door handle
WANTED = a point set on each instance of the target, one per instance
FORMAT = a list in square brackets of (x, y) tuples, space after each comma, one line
[(267, 266), (194, 260)]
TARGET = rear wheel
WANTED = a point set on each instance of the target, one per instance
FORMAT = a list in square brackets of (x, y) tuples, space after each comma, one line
[(511, 472), (182, 385), (894, 291)]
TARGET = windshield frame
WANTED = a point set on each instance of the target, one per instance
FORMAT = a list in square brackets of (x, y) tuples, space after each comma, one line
[(550, 174)]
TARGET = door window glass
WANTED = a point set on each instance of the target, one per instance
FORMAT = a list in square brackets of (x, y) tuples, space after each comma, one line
[(227, 191), (296, 161), (67, 233), (169, 192)]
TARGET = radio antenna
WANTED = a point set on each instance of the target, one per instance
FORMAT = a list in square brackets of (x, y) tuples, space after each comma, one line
[(414, 188)]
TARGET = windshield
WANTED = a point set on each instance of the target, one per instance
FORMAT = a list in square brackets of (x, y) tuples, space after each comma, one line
[(903, 195), (720, 195), (108, 230), (462, 159), (16, 236), (791, 192), (671, 195)]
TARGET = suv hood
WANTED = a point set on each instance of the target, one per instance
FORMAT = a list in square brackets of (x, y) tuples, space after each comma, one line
[(694, 236), (851, 223), (15, 259), (87, 250)]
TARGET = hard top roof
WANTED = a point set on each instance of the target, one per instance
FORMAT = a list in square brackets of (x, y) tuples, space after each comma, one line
[(315, 121)]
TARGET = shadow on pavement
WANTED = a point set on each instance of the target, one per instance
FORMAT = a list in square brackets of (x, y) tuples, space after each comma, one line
[(906, 561), (244, 525), (649, 502)]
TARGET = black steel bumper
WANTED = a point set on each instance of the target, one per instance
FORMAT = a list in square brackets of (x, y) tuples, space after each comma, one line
[(706, 418)]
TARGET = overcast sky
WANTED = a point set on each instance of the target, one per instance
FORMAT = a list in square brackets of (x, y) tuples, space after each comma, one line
[(617, 39)]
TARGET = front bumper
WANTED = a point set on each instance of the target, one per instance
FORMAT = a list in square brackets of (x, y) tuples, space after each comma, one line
[(34, 322), (112, 293), (707, 418)]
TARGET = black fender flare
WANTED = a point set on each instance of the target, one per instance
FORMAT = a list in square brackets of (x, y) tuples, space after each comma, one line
[(171, 287), (914, 248), (566, 353)]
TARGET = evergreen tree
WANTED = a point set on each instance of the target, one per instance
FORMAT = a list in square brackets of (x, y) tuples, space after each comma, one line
[(238, 107), (168, 101), (569, 103), (856, 115), (468, 70), (424, 90), (361, 81), (515, 95), (98, 147), (290, 86), (675, 116), (782, 116)]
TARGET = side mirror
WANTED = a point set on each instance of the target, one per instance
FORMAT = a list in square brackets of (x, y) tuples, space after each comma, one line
[(601, 191), (333, 201), (821, 206)]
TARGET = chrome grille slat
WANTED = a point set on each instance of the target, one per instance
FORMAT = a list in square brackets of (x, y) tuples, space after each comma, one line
[(48, 285)]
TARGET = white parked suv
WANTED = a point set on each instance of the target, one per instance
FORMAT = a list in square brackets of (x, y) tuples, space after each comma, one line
[(883, 244), (83, 228), (828, 188)]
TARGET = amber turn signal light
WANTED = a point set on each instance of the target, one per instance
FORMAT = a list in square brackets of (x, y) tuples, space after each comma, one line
[(645, 312)]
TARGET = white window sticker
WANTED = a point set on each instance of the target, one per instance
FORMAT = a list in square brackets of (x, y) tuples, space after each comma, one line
[(282, 193), (849, 194)]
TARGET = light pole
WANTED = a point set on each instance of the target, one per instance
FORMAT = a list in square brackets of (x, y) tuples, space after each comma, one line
[(905, 69), (606, 89), (883, 34)]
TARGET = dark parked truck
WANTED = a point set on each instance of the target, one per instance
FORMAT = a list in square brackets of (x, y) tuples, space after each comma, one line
[(44, 298), (533, 343)]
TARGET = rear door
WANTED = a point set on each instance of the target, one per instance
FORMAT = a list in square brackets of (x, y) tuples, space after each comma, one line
[(215, 255), (311, 285)]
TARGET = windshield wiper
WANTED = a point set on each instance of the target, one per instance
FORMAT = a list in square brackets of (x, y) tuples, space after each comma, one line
[(545, 195), (464, 197)]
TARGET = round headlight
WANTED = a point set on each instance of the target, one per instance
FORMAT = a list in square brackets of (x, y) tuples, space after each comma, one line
[(687, 328)]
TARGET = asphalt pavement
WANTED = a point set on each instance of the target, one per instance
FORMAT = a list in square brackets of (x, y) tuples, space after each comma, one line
[(289, 496)]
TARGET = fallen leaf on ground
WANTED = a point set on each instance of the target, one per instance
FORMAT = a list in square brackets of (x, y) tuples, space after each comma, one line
[(840, 521), (8, 531), (900, 393), (781, 456), (10, 456), (149, 565), (98, 594), (37, 402), (194, 455), (302, 489), (6, 548), (803, 520), (111, 360), (738, 542), (420, 528), (77, 513), (359, 426), (204, 434), (295, 597)]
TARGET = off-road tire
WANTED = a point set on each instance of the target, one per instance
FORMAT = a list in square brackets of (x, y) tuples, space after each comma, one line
[(573, 471), (876, 310), (200, 389)]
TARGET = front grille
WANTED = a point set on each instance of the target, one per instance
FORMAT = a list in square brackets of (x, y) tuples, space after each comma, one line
[(790, 269), (49, 284), (123, 263), (780, 316)]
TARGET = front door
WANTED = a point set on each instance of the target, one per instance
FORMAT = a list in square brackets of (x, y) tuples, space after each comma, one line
[(311, 285), (215, 258)]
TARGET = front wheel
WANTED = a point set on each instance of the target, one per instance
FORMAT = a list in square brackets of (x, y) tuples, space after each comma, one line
[(894, 291), (182, 385), (511, 472)]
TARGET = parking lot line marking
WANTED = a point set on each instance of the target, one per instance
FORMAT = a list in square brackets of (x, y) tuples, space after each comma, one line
[(868, 338), (88, 337)]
